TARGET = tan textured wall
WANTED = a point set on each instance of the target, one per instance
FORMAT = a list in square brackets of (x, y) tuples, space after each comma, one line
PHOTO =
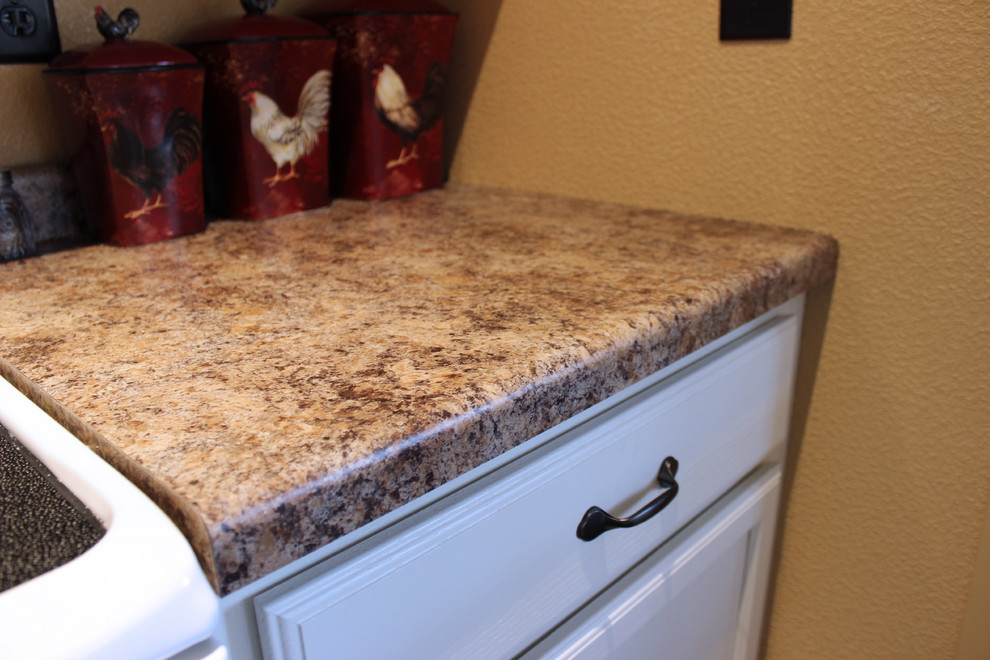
[(871, 124)]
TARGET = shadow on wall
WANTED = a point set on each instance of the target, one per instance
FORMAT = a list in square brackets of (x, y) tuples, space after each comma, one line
[(818, 303), (474, 32)]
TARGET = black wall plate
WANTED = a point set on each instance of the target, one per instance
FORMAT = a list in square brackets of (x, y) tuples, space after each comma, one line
[(28, 31), (755, 19)]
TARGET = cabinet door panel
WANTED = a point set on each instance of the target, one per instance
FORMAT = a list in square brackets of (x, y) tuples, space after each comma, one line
[(490, 569), (698, 597)]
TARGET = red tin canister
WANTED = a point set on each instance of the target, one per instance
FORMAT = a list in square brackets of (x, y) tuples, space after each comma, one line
[(267, 113), (389, 80), (131, 115)]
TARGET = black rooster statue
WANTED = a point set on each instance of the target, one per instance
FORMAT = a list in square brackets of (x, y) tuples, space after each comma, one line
[(127, 21), (254, 7)]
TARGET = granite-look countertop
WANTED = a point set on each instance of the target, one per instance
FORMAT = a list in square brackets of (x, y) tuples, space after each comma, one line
[(275, 385)]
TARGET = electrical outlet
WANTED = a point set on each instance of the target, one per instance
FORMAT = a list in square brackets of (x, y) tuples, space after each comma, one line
[(28, 32), (755, 19)]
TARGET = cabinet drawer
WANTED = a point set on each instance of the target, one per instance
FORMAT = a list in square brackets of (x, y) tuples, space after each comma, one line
[(489, 569), (700, 595)]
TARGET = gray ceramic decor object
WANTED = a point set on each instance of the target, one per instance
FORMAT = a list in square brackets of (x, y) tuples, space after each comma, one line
[(16, 235)]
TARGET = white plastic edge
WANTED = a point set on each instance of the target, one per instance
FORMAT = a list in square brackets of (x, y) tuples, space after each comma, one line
[(138, 593)]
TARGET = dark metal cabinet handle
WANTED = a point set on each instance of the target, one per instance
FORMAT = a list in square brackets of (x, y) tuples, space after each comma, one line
[(596, 521)]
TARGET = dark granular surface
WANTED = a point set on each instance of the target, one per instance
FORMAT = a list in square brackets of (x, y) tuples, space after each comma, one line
[(42, 525)]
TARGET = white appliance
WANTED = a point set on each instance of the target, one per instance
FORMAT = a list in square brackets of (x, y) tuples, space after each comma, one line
[(139, 593)]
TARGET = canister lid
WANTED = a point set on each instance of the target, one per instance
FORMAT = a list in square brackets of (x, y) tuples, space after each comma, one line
[(326, 7), (118, 53), (256, 25)]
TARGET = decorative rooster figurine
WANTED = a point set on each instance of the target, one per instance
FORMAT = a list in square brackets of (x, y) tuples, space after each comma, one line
[(257, 6), (127, 21)]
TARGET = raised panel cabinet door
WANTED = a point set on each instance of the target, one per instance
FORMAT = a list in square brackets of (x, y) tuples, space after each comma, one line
[(700, 596)]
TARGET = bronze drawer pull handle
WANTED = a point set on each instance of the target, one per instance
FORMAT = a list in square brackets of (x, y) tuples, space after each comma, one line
[(596, 521)]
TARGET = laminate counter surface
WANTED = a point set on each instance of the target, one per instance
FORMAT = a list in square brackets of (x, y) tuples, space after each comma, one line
[(275, 385)]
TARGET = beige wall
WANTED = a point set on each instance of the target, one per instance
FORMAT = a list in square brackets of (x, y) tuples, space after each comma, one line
[(870, 124)]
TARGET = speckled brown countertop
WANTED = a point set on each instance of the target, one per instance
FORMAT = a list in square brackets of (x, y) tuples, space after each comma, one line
[(276, 385)]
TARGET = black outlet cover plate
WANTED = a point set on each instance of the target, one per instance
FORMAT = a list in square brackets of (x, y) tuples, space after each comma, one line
[(755, 19), (28, 31)]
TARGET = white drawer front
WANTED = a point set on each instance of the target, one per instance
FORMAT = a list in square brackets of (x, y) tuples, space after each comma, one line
[(491, 568), (699, 596)]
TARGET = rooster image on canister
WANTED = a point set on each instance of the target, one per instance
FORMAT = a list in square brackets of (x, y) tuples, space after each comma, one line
[(266, 113), (390, 76), (288, 139)]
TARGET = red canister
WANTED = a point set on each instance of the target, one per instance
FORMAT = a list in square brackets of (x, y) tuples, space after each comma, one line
[(389, 80), (131, 117), (266, 113)]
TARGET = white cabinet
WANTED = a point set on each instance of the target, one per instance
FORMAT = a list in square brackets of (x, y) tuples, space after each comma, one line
[(495, 568)]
